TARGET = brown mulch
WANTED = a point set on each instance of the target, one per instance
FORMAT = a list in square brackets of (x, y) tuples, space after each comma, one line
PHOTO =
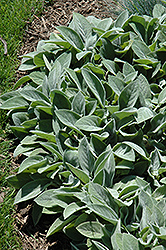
[(59, 13)]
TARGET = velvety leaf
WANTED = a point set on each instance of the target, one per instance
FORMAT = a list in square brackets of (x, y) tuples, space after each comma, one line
[(143, 114), (52, 167), (101, 137), (85, 156), (124, 151), (122, 18), (158, 10), (89, 123), (158, 248), (146, 200), (52, 147), (114, 239), (72, 208), (29, 123), (58, 224), (129, 95), (100, 246), (155, 162), (104, 212), (60, 100), (48, 199), (33, 95), (19, 118), (95, 86), (75, 78), (128, 191), (131, 77), (82, 26), (90, 107), (110, 66), (38, 59), (128, 69), (14, 103), (31, 190), (137, 148), (100, 195), (140, 49), (105, 24), (130, 242), (79, 173), (9, 95), (56, 197), (64, 59), (68, 117), (71, 36), (97, 70), (126, 112), (162, 96), (159, 193), (71, 156), (106, 162), (144, 86), (54, 77), (32, 163), (21, 149), (91, 229), (113, 108), (47, 63), (48, 136), (159, 217), (78, 104), (116, 84), (27, 65), (21, 81), (37, 77)]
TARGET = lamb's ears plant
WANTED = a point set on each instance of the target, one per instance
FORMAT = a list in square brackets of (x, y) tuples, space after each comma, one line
[(90, 116)]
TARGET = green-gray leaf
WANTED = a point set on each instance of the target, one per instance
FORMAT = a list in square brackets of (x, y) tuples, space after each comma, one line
[(129, 95), (71, 36), (89, 123), (91, 229), (95, 86), (124, 151), (31, 190)]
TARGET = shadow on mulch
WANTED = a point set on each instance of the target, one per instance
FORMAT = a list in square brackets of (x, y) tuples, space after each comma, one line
[(34, 237)]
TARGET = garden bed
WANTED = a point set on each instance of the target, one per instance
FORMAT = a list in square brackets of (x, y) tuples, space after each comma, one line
[(58, 13), (90, 117)]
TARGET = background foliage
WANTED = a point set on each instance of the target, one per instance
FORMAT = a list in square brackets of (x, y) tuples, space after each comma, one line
[(141, 7)]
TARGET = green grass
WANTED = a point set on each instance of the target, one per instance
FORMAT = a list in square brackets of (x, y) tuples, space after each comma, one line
[(8, 234), (13, 17)]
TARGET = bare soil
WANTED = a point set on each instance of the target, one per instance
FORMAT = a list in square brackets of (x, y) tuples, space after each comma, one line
[(58, 12)]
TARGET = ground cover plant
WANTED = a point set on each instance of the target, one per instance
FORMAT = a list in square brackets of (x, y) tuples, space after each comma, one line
[(90, 116)]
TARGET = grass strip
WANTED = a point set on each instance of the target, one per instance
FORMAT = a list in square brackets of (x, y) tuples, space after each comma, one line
[(13, 17)]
